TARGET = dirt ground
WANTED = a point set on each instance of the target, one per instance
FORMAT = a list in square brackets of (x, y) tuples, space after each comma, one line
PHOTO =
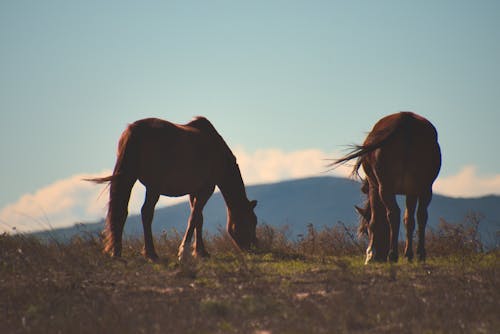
[(74, 288)]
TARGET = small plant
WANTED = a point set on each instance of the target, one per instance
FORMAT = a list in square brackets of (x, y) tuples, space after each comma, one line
[(317, 283), (462, 238), (338, 240)]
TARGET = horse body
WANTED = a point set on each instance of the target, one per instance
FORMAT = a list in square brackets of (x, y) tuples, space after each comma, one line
[(175, 160), (171, 146), (400, 155)]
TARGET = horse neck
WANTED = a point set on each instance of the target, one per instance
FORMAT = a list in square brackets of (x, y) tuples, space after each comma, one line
[(233, 189)]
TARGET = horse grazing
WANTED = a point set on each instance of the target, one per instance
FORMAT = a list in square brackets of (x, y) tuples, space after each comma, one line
[(175, 160), (401, 155)]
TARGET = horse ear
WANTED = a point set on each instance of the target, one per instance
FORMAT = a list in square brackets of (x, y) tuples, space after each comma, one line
[(253, 204)]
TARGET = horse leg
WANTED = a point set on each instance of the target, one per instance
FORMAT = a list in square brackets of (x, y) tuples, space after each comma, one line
[(199, 247), (370, 251), (201, 199), (197, 202), (423, 203), (377, 230), (183, 253), (409, 220), (393, 217), (119, 195), (147, 213)]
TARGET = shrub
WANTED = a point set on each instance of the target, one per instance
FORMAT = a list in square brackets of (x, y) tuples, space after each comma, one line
[(462, 238)]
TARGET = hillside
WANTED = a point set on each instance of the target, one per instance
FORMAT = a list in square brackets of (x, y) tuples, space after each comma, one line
[(321, 201)]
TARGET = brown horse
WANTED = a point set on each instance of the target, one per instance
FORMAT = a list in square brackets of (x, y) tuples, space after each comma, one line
[(400, 155), (175, 160)]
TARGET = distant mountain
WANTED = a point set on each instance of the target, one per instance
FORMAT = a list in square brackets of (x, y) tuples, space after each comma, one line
[(321, 201)]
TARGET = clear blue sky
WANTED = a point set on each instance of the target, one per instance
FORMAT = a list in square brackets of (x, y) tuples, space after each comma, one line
[(269, 74)]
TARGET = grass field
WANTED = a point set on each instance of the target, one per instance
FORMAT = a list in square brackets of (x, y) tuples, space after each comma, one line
[(317, 284)]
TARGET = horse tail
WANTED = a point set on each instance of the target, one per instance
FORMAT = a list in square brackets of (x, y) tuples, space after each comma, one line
[(374, 141), (120, 186), (100, 180), (357, 152)]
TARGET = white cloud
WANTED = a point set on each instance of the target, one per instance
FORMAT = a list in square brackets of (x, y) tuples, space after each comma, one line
[(64, 203), (72, 200), (467, 183), (271, 165)]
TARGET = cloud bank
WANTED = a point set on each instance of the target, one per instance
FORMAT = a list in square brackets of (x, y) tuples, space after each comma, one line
[(467, 183), (271, 165), (65, 203), (72, 200)]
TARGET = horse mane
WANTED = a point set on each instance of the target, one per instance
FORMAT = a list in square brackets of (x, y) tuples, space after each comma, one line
[(233, 183), (203, 124), (375, 140)]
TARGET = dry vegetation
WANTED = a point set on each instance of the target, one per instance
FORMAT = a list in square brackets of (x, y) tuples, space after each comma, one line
[(316, 284)]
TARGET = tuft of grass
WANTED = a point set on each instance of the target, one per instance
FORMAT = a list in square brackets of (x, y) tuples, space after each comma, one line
[(315, 284)]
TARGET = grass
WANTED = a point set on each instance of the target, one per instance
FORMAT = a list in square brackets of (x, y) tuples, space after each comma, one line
[(317, 284)]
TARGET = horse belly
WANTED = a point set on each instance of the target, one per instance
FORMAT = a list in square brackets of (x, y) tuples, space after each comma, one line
[(176, 183), (175, 167)]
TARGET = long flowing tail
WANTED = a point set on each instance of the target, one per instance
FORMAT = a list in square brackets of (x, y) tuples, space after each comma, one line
[(120, 185), (374, 141), (100, 180)]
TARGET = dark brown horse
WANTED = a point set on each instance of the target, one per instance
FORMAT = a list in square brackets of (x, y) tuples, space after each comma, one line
[(175, 160), (400, 155)]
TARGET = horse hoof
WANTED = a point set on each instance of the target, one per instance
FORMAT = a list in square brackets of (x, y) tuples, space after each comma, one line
[(184, 256), (421, 256), (152, 257), (115, 256), (201, 254), (369, 257), (113, 252), (393, 257)]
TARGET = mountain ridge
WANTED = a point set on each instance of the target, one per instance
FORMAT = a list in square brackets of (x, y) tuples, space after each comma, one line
[(321, 201)]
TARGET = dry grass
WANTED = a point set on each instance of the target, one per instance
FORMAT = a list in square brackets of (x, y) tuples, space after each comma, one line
[(317, 284)]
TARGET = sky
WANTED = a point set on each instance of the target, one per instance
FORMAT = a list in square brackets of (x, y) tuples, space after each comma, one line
[(288, 84)]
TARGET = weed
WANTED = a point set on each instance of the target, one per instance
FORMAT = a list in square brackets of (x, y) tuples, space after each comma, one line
[(315, 284)]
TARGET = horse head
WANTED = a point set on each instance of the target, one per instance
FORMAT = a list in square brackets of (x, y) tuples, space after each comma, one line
[(242, 226), (364, 218), (364, 213)]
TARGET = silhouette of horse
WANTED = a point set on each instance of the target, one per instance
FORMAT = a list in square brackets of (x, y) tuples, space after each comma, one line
[(175, 160), (400, 155)]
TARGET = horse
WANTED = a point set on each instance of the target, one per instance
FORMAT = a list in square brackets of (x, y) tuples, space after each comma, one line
[(400, 156), (175, 160)]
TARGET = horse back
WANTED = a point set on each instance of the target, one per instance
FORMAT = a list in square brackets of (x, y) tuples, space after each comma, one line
[(177, 159), (409, 158)]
